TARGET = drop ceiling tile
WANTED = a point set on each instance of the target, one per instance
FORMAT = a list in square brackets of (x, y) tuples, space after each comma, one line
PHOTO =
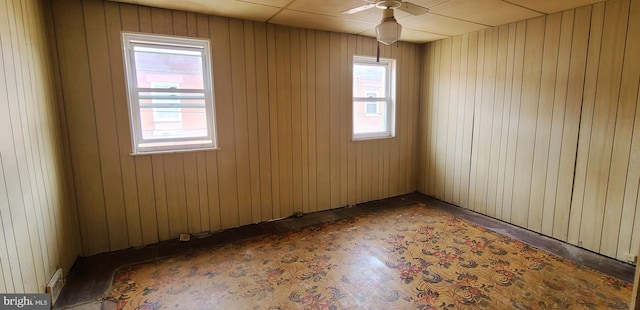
[(236, 9), (427, 3), (321, 22), (276, 3), (336, 7), (417, 36), (440, 25), (333, 7), (486, 12), (552, 6)]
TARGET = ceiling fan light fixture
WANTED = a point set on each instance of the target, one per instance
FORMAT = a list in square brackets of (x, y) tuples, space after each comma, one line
[(388, 31)]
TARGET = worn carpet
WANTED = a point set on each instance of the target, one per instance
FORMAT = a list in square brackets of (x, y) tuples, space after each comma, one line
[(404, 258)]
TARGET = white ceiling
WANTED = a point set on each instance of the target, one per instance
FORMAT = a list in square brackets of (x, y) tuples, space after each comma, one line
[(445, 17)]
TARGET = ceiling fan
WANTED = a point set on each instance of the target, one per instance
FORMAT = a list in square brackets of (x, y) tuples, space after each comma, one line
[(388, 31)]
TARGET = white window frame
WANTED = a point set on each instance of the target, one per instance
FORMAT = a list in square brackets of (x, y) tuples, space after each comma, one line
[(389, 99), (175, 144)]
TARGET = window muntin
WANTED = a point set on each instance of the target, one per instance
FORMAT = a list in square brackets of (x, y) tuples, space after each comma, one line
[(170, 91), (373, 98)]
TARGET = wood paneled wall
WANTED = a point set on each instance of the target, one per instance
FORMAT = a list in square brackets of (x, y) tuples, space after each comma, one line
[(283, 105), (38, 222), (535, 123)]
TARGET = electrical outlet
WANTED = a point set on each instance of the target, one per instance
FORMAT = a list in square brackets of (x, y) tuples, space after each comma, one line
[(185, 237), (630, 258), (54, 287)]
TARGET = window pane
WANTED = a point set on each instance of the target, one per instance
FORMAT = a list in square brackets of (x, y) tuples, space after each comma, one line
[(168, 66), (365, 122), (164, 119), (369, 81), (167, 115)]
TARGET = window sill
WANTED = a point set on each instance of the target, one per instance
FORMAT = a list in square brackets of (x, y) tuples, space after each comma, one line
[(356, 139), (175, 151)]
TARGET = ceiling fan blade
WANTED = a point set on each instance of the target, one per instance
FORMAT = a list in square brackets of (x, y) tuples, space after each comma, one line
[(360, 8), (413, 9)]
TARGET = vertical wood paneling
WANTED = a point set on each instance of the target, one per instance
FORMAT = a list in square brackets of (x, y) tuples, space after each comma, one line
[(223, 88), (159, 186), (425, 114), (527, 125), (283, 103), (283, 110), (101, 88), (413, 143), (333, 110), (544, 118), (469, 116), (323, 142), (434, 65), (572, 122), (252, 119), (477, 98), (81, 123), (620, 156), (296, 121), (635, 230), (344, 96), (273, 119), (37, 219), (604, 124), (433, 107), (508, 31), (403, 126), (311, 120), (514, 117), (139, 228), (22, 142), (240, 112), (442, 112), (262, 102), (7, 238), (553, 128), (453, 50), (444, 188), (192, 196), (304, 130), (496, 146), (557, 123), (629, 210), (485, 122), (586, 122)]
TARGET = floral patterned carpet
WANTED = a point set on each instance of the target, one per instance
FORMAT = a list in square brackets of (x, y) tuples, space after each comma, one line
[(404, 258)]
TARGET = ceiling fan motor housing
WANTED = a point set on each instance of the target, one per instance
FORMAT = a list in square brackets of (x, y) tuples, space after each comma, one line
[(388, 4)]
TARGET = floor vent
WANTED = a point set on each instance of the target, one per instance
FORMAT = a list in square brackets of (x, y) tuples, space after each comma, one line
[(54, 287)]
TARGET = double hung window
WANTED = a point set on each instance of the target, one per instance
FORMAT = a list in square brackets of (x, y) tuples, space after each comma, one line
[(170, 88), (373, 98)]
